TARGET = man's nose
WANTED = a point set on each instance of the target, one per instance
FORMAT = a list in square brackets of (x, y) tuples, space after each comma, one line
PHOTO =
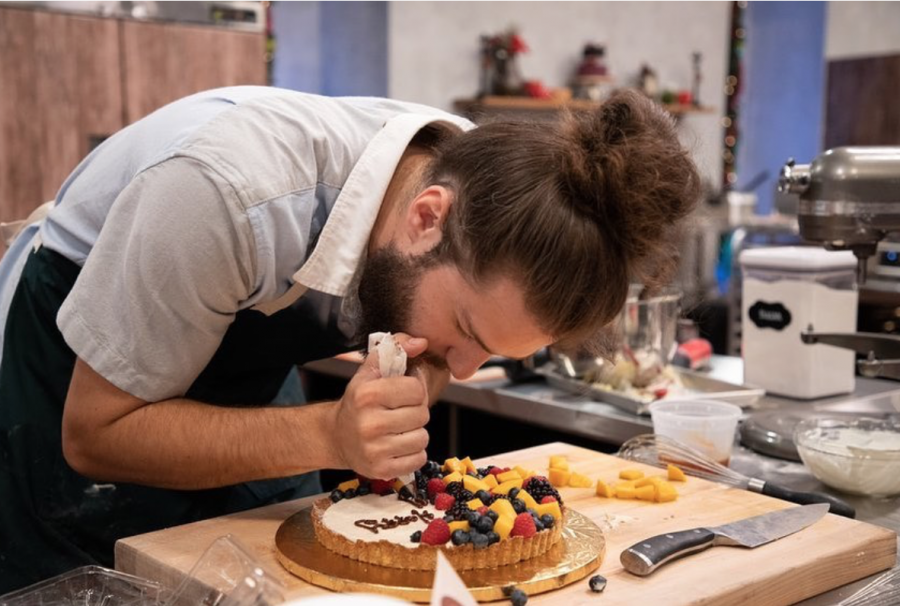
[(464, 362)]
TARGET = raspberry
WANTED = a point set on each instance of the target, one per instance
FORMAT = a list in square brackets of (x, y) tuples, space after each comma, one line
[(444, 501), (483, 510), (523, 526), (434, 486), (382, 487), (437, 533), (495, 471), (548, 499)]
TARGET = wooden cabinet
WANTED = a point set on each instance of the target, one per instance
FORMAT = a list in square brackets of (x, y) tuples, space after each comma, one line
[(68, 81)]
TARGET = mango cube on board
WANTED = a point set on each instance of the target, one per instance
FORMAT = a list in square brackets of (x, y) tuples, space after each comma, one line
[(675, 474), (631, 474), (559, 477), (605, 490), (576, 480)]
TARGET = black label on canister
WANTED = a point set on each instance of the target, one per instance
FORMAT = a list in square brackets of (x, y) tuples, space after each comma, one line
[(770, 315)]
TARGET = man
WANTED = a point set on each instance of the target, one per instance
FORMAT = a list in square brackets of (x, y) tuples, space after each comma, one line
[(153, 321)]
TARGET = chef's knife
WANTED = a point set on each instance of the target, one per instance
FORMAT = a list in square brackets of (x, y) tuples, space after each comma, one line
[(644, 557)]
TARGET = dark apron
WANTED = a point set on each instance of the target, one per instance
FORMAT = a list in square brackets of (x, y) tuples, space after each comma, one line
[(51, 518)]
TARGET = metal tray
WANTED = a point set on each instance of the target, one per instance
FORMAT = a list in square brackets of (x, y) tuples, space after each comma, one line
[(696, 385)]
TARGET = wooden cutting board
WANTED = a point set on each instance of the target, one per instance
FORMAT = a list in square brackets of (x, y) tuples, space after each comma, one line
[(832, 552)]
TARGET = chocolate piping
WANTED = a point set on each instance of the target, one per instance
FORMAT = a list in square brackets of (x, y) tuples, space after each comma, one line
[(387, 524)]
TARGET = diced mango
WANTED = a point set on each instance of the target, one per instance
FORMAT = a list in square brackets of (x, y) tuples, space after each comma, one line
[(650, 481), (523, 473), (631, 474), (469, 465), (646, 493), (605, 490), (675, 474), (551, 507), (344, 486), (506, 476), (460, 525), (559, 462), (665, 492), (505, 487), (474, 504), (473, 484), (625, 491), (529, 501), (453, 477), (503, 526), (451, 464), (559, 477), (491, 481), (576, 480), (503, 508)]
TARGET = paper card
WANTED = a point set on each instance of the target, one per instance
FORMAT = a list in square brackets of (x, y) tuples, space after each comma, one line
[(449, 589)]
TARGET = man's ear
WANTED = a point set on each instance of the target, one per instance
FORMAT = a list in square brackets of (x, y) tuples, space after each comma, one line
[(424, 218)]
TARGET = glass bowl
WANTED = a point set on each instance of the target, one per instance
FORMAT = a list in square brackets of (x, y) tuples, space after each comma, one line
[(859, 456)]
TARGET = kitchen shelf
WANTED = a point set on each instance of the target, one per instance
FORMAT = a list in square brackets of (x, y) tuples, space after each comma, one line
[(518, 104)]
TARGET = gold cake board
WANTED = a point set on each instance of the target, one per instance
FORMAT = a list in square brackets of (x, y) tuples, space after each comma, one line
[(579, 552)]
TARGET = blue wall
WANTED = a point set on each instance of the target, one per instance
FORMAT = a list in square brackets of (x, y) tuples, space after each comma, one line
[(782, 103), (331, 48)]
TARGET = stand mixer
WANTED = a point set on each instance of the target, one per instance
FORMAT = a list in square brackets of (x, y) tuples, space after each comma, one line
[(849, 199)]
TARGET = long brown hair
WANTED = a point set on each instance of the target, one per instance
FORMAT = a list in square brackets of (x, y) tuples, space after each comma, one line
[(574, 210)]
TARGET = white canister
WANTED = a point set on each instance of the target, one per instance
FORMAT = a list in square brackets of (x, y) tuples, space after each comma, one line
[(786, 291)]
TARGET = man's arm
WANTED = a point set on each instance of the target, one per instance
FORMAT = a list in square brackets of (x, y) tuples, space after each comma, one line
[(376, 429)]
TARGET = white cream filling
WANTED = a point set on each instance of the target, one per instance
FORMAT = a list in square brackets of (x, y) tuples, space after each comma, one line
[(340, 518)]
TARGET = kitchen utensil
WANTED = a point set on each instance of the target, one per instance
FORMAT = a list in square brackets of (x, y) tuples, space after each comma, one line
[(644, 557), (706, 425), (883, 591), (771, 432), (658, 450), (858, 456)]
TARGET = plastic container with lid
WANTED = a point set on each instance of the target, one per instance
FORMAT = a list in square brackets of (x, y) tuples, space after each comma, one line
[(789, 290)]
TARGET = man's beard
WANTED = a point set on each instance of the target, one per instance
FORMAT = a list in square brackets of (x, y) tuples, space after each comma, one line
[(386, 293)]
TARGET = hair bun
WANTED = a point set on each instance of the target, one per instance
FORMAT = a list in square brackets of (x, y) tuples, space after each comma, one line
[(627, 171)]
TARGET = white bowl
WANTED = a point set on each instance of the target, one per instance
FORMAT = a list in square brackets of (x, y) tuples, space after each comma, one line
[(861, 456)]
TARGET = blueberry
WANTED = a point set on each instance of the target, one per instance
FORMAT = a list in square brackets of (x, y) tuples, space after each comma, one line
[(484, 524), (538, 525), (518, 505), (471, 517), (336, 495), (483, 496), (518, 597), (363, 490), (493, 537), (449, 518), (548, 520), (493, 515), (480, 541), (416, 536), (597, 583), (459, 537), (514, 492), (349, 493)]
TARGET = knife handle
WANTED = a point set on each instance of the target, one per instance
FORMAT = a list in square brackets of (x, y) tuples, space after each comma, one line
[(645, 557), (835, 505)]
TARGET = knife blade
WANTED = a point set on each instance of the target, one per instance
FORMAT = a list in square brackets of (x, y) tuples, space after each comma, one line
[(644, 557)]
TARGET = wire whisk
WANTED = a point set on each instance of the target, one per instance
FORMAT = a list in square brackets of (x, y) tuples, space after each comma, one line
[(659, 450)]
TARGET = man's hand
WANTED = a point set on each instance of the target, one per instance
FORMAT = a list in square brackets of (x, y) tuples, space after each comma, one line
[(380, 422)]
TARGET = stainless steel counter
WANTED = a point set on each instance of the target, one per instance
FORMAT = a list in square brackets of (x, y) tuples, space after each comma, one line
[(542, 405)]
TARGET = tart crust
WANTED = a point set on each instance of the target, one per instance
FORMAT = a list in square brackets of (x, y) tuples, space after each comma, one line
[(424, 557)]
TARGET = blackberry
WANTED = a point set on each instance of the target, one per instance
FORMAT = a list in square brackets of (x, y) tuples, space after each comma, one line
[(484, 496), (336, 495), (465, 495), (514, 492), (597, 583), (518, 505), (539, 488), (422, 495), (454, 488), (480, 541), (548, 520), (459, 537), (484, 471), (518, 597), (363, 490), (484, 524), (349, 493), (416, 537), (493, 537)]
